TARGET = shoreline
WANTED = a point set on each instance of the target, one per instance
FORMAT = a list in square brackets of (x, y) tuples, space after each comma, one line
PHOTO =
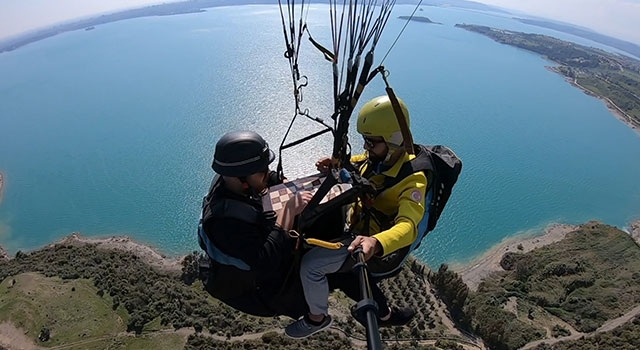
[(475, 271), (613, 109), (125, 243), (1, 185), (472, 273), (17, 41)]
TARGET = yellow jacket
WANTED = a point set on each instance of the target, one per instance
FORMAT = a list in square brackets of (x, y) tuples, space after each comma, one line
[(403, 205)]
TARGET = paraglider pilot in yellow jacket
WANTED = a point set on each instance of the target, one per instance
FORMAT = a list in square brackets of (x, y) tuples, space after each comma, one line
[(392, 227)]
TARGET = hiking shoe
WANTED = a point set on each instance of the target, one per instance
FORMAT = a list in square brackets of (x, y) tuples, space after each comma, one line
[(400, 316), (303, 327)]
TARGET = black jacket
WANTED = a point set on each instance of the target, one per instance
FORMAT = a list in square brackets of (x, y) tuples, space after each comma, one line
[(237, 226)]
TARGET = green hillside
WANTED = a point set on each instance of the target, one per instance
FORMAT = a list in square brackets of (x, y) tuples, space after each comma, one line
[(81, 294), (581, 292), (569, 287)]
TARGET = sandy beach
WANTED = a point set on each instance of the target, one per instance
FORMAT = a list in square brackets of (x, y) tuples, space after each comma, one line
[(489, 262), (473, 273), (123, 243), (147, 253)]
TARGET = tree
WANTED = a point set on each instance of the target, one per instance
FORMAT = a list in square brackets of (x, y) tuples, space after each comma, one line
[(191, 267), (44, 335), (452, 290), (136, 323)]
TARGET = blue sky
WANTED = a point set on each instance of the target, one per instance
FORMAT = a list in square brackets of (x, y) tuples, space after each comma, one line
[(618, 18)]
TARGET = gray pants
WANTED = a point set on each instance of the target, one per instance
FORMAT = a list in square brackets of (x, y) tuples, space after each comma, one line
[(316, 265)]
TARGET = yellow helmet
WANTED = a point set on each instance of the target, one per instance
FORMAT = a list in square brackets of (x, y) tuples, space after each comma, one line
[(377, 118)]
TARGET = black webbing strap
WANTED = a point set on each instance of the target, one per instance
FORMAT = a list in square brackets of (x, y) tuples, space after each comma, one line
[(306, 138), (328, 55), (402, 121)]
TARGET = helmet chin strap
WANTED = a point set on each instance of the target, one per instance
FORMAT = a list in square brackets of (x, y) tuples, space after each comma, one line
[(249, 190), (387, 157), (391, 150)]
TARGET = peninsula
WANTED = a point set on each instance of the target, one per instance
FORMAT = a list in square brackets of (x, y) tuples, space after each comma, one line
[(623, 45), (418, 19), (611, 77)]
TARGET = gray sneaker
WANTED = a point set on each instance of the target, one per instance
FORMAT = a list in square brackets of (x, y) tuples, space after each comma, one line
[(302, 328)]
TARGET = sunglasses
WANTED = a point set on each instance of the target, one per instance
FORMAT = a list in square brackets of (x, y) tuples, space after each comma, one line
[(371, 143)]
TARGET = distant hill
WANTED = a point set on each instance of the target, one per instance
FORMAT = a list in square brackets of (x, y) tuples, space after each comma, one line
[(622, 45), (168, 9), (175, 8), (471, 5)]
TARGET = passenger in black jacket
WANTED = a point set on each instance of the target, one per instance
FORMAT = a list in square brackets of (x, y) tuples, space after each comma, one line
[(252, 263), (253, 267)]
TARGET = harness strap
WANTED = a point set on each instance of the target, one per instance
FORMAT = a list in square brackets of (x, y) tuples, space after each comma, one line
[(228, 208), (422, 162), (402, 122), (217, 255), (324, 244), (316, 242)]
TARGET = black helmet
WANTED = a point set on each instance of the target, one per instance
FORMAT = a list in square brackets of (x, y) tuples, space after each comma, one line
[(241, 153)]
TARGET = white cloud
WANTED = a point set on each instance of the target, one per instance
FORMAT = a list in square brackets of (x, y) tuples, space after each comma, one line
[(617, 18)]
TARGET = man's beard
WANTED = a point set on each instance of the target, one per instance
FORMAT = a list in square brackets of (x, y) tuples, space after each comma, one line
[(375, 159)]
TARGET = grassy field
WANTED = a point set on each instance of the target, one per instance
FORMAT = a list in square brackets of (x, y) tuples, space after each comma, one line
[(70, 309), (75, 315)]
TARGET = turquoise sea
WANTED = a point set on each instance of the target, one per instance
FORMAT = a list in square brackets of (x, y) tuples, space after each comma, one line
[(111, 131)]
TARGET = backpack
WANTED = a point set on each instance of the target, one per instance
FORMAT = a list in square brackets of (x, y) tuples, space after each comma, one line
[(442, 168)]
